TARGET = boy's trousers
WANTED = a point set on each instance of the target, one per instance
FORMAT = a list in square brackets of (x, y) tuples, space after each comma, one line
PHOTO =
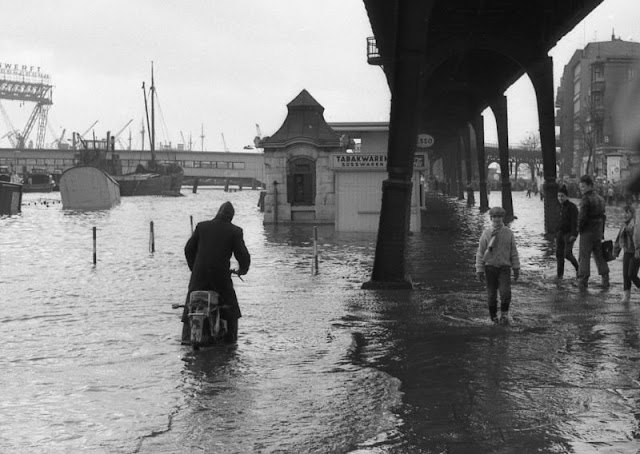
[(498, 280)]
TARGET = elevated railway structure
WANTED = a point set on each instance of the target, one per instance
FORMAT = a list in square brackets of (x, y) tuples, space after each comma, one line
[(445, 62), (220, 168)]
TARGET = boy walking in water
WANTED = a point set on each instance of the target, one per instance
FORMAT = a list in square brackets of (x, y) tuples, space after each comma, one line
[(567, 232), (496, 256)]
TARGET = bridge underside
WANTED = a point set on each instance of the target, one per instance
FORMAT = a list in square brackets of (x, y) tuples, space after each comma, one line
[(446, 61)]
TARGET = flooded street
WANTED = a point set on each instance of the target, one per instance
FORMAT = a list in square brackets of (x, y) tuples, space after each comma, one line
[(92, 361)]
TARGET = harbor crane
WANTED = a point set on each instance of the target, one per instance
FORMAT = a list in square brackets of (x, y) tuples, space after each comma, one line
[(258, 137), (58, 142), (88, 129), (224, 143), (12, 130), (184, 142), (117, 134), (24, 83)]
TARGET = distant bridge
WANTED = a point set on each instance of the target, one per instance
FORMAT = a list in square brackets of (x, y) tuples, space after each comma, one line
[(218, 167), (517, 156)]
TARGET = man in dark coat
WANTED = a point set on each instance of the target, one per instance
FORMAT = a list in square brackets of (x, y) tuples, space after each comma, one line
[(591, 218), (567, 231), (208, 253)]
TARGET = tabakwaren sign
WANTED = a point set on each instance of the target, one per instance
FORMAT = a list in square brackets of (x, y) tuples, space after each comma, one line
[(370, 161)]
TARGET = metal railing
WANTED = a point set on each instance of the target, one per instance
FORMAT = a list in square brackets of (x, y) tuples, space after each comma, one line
[(373, 54)]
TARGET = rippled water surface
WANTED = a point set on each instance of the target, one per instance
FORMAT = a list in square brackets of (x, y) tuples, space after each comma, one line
[(92, 362)]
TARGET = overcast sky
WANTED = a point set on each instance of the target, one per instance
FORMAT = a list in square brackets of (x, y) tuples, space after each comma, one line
[(227, 65)]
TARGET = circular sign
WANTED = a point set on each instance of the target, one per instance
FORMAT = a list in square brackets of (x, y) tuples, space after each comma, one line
[(425, 140)]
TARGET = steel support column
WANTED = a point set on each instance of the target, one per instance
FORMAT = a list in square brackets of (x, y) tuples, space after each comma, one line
[(499, 108), (541, 75), (409, 53), (478, 126), (459, 163), (466, 142)]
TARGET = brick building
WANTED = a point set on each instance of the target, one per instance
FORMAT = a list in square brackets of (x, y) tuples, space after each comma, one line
[(590, 135)]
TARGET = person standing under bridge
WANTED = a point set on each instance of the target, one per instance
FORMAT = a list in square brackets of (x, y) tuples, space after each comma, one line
[(567, 232), (497, 254), (591, 218), (626, 242)]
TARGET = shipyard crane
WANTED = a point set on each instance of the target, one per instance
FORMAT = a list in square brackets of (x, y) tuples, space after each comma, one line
[(184, 142), (27, 84), (224, 143), (12, 130), (88, 129), (117, 134), (258, 137), (60, 139)]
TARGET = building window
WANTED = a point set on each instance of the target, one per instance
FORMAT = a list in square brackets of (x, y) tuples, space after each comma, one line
[(238, 165), (598, 72), (596, 100), (301, 179), (576, 72)]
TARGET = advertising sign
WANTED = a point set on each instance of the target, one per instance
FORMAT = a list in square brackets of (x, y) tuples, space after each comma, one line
[(425, 141), (613, 168), (370, 161)]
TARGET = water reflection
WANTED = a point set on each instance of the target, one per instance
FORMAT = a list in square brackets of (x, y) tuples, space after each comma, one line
[(94, 360)]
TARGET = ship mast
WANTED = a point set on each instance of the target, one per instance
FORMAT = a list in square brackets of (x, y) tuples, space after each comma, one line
[(150, 127), (153, 119)]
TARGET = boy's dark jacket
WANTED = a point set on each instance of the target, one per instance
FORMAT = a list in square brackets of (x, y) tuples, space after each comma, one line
[(568, 219)]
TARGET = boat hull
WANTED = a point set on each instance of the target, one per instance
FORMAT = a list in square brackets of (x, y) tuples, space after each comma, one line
[(88, 188), (10, 198), (150, 184), (38, 187)]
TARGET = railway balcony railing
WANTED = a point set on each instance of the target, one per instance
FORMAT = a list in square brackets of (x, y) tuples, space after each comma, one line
[(373, 54)]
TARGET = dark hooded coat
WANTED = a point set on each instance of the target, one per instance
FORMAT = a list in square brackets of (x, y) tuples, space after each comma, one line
[(208, 253)]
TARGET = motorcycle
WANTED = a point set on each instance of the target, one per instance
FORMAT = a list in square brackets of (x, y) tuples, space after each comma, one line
[(205, 323)]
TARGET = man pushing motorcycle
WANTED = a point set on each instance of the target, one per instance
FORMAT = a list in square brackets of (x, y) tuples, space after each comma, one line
[(208, 253)]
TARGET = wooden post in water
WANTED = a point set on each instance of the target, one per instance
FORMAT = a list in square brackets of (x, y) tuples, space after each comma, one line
[(152, 239), (191, 219), (95, 260), (314, 267)]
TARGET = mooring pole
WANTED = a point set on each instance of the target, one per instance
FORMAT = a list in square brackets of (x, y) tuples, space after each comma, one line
[(314, 266), (152, 239), (94, 247), (191, 218), (275, 202)]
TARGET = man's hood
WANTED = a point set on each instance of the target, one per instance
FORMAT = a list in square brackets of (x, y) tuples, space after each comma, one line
[(226, 212)]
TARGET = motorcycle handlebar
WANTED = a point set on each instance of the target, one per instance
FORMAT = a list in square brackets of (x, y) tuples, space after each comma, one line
[(237, 273)]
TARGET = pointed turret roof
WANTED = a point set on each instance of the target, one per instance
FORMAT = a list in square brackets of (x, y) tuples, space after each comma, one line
[(304, 123), (304, 99)]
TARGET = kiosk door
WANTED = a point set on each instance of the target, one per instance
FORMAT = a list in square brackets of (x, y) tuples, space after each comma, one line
[(358, 200)]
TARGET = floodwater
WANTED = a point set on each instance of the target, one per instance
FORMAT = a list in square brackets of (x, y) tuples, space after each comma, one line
[(91, 358)]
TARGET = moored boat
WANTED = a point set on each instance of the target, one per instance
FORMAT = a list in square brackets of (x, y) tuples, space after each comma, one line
[(9, 175), (10, 198), (88, 188), (166, 181), (38, 180), (89, 185), (155, 178)]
